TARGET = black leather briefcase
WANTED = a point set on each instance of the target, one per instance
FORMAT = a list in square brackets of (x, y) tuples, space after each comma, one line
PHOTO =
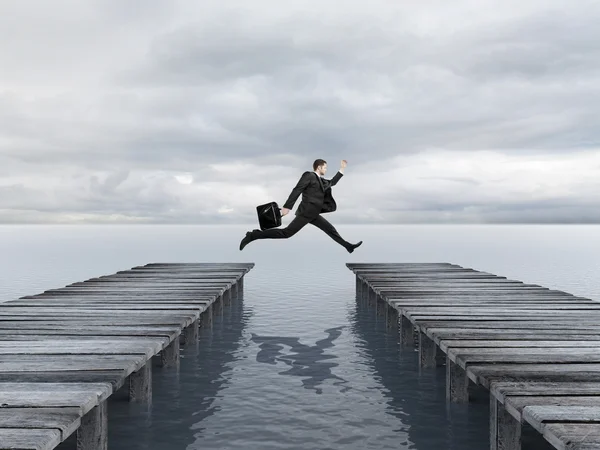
[(269, 215)]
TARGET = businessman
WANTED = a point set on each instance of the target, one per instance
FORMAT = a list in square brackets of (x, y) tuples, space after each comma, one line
[(316, 199)]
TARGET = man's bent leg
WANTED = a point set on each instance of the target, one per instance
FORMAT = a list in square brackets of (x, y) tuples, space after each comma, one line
[(322, 223), (282, 233)]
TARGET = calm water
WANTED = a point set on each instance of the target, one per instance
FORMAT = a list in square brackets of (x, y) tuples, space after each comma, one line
[(299, 364)]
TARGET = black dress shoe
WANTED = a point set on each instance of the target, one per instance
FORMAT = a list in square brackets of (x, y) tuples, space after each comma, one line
[(247, 239), (353, 246)]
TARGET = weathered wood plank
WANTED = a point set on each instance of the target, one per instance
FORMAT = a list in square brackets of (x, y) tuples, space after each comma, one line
[(536, 415), (465, 356), (567, 436), (95, 312), (29, 439), (439, 334), (101, 390), (84, 401), (517, 343), (501, 390), (107, 321), (58, 363), (484, 374), (80, 347), (115, 377), (67, 420), (515, 404), (490, 323), (112, 305)]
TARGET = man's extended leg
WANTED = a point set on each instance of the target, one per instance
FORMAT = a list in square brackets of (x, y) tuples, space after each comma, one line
[(276, 233), (322, 223)]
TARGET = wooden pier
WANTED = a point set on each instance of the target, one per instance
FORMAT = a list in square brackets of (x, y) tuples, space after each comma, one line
[(65, 351), (536, 350)]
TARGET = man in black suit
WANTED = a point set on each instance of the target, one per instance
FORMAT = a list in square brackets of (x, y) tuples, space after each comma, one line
[(316, 199)]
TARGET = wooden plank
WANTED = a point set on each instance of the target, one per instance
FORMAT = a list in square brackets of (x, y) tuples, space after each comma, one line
[(83, 347), (106, 321), (89, 326), (531, 335), (484, 374), (504, 311), (476, 315), (510, 324), (515, 404), (447, 332), (465, 356), (29, 439), (96, 333), (8, 335), (152, 283), (67, 420), (101, 390), (132, 296), (517, 343), (111, 303), (580, 436), (115, 377), (57, 363), (82, 400), (102, 307), (541, 304), (508, 311), (501, 390), (91, 311), (431, 294)]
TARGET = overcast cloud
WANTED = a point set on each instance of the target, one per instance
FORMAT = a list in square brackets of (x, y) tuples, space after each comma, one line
[(146, 111)]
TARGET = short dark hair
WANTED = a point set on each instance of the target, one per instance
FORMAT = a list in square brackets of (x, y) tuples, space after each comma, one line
[(318, 162)]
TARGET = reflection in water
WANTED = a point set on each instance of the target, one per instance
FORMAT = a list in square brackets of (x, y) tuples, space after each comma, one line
[(416, 397), (182, 399), (304, 360)]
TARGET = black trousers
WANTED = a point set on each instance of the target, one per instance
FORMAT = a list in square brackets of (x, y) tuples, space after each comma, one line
[(296, 225)]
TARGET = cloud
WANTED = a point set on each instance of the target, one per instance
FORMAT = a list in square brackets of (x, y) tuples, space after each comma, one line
[(193, 112)]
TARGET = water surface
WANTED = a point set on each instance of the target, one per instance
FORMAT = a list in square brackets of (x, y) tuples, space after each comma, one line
[(299, 363)]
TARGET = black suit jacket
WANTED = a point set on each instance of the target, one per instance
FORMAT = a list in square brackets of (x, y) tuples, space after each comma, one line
[(316, 198)]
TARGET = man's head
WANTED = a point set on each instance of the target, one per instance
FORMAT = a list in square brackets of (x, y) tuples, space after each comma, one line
[(320, 166)]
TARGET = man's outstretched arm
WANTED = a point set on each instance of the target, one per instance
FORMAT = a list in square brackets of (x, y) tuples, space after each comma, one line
[(339, 174), (300, 186)]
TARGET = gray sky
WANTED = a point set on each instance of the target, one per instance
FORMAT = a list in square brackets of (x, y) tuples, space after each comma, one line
[(149, 111)]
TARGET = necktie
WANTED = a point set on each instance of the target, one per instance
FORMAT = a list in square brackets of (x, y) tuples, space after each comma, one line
[(320, 181)]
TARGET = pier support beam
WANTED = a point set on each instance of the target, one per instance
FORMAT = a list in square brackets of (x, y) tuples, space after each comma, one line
[(505, 430), (190, 334), (427, 351), (140, 385), (391, 316), (406, 332), (227, 296), (207, 316), (240, 285), (457, 383), (169, 356), (92, 434), (380, 306), (372, 297), (218, 304)]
